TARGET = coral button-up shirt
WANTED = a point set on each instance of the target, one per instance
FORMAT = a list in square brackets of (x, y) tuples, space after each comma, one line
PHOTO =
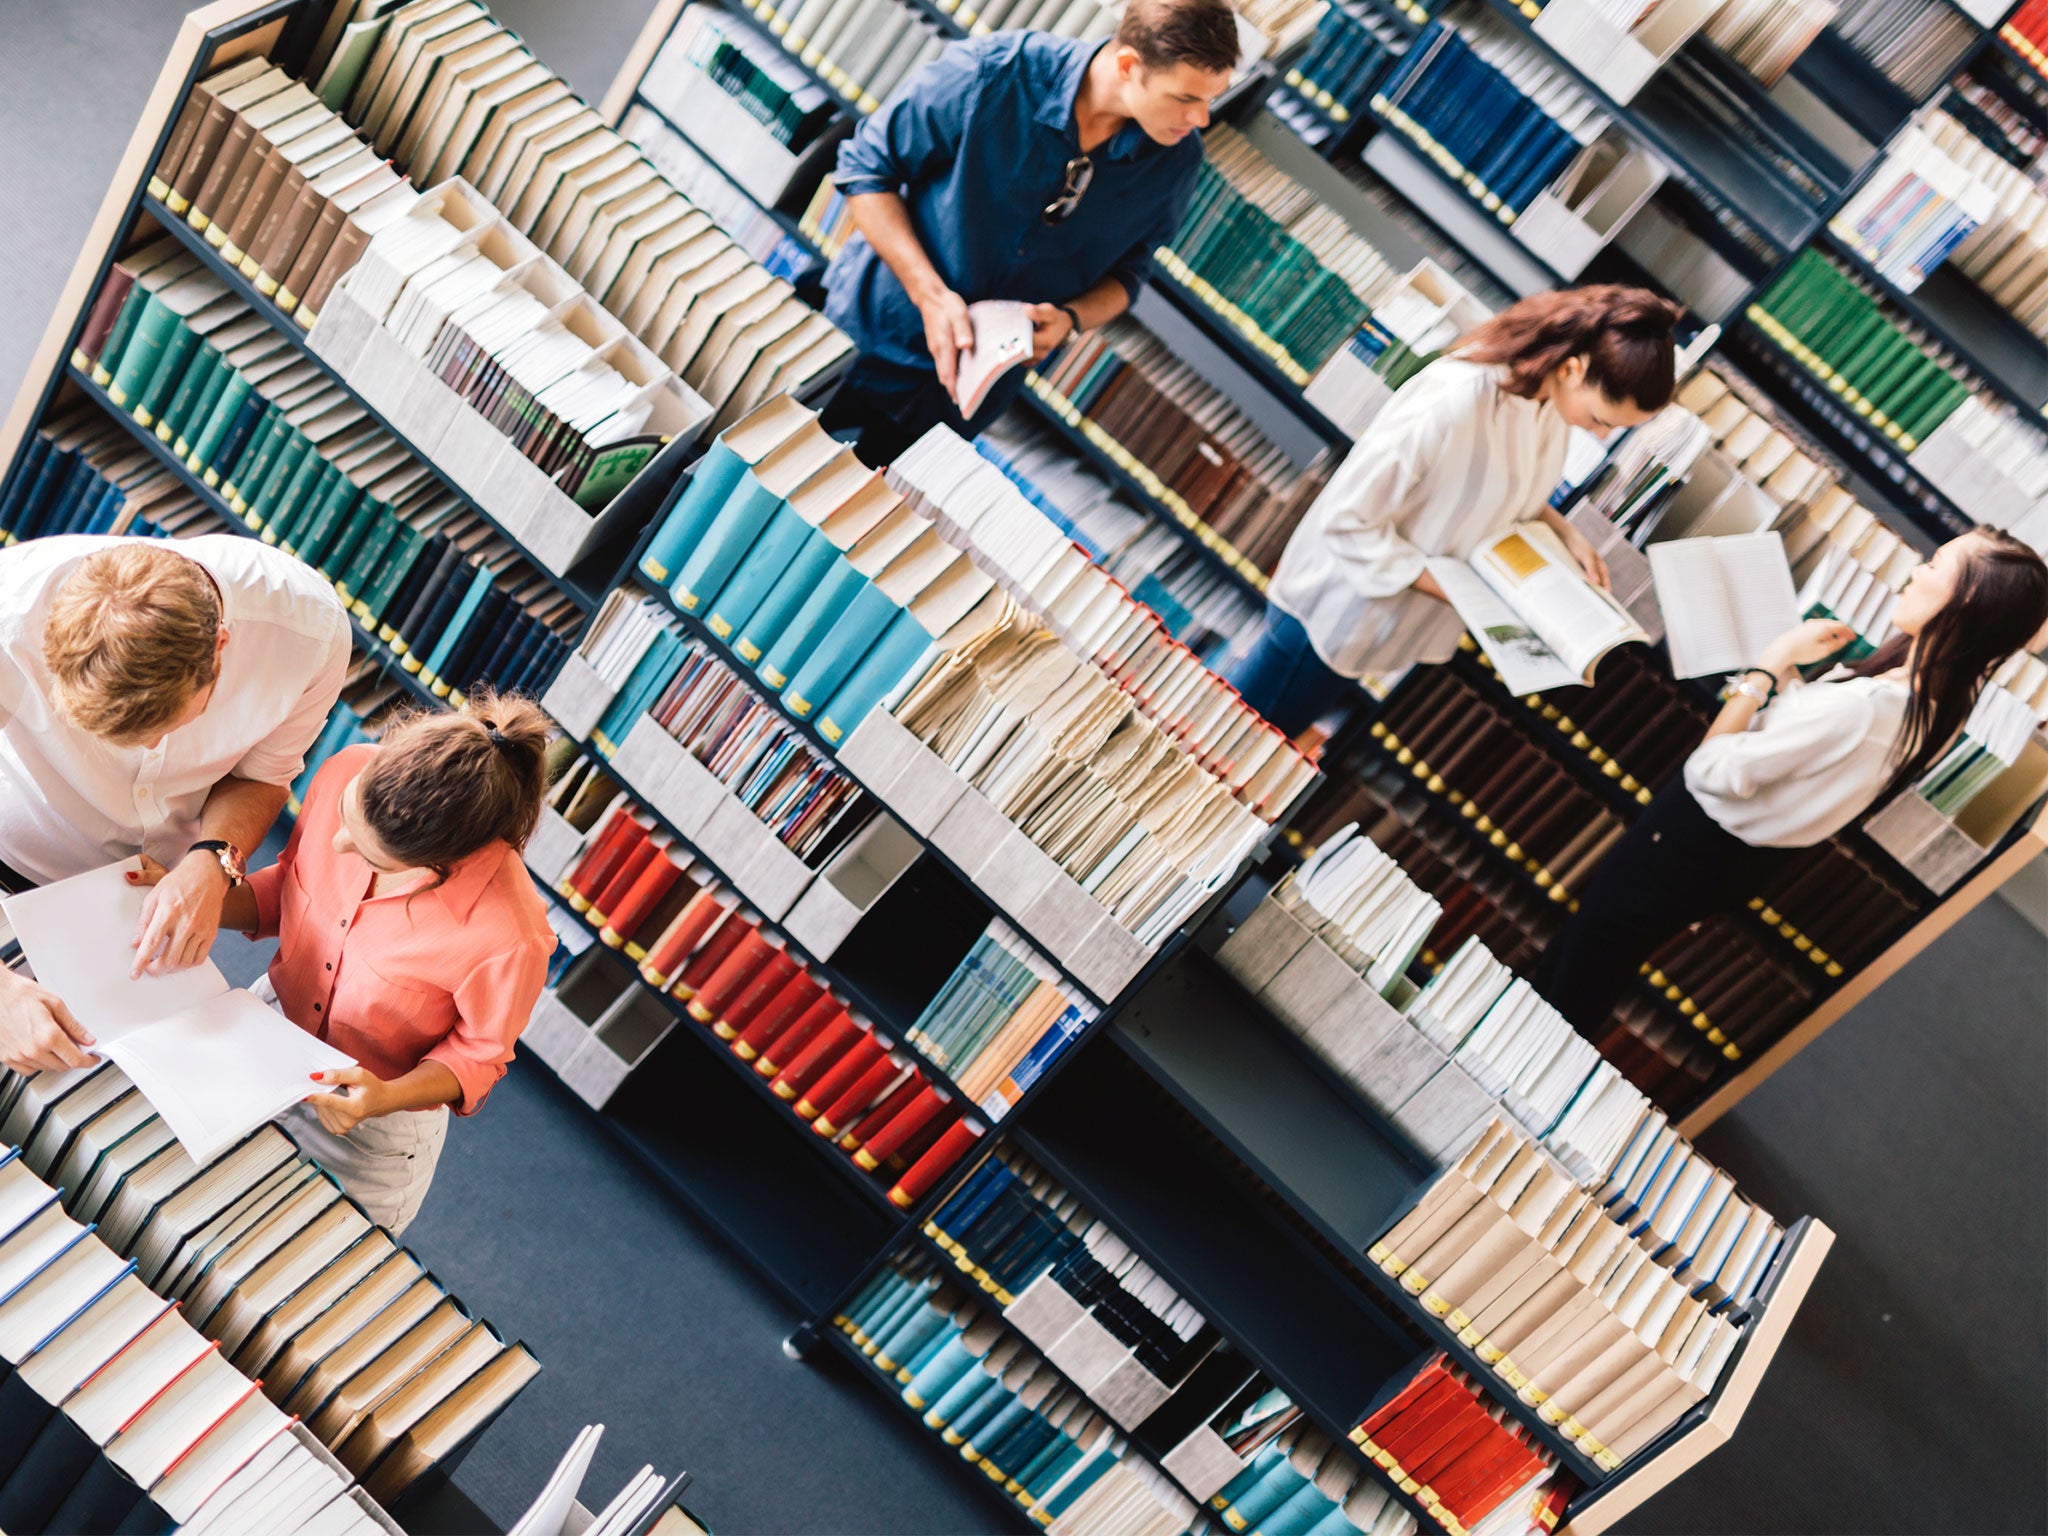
[(448, 973)]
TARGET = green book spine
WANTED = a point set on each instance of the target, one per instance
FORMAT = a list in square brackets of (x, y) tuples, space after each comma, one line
[(117, 339), (189, 411), (1790, 299), (405, 550), (200, 369), (164, 378), (265, 494), (254, 468), (306, 486), (352, 579), (1874, 357), (325, 522), (153, 330), (1904, 371), (1844, 313), (1941, 399), (234, 389), (359, 520)]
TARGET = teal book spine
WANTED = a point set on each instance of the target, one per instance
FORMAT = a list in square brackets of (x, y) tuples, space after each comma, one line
[(779, 543), (718, 554), (772, 615), (820, 611), (715, 478), (642, 687), (901, 647), (165, 377), (835, 656), (451, 632)]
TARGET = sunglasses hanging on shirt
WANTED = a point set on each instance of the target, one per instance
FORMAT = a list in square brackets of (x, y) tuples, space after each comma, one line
[(1073, 187)]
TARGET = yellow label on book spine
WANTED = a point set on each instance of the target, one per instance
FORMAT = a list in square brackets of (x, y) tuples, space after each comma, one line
[(216, 236)]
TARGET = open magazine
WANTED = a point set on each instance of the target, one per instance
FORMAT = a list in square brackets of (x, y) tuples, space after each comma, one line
[(1531, 608), (213, 1061), (1002, 339)]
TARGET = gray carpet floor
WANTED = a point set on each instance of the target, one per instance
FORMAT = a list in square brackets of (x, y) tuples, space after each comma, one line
[(1912, 1395)]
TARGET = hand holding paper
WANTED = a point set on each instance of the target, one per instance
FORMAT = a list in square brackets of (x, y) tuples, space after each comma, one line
[(1002, 339), (214, 1062)]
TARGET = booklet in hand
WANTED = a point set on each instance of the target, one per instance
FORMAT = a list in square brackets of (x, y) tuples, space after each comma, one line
[(212, 1060), (1530, 607), (1002, 339)]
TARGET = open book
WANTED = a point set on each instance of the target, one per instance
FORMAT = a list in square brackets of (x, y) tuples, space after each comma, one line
[(213, 1061), (1528, 604), (1002, 339), (1724, 599)]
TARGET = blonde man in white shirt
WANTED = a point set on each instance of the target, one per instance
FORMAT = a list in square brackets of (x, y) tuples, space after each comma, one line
[(159, 699), (1471, 445), (1787, 765)]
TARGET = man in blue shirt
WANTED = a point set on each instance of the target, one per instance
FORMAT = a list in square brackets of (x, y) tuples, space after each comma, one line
[(1017, 166)]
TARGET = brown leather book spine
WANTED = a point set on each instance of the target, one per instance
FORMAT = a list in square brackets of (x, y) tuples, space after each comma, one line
[(280, 206), (341, 255), (210, 204), (312, 253), (105, 309), (248, 196), (179, 144), (276, 252), (201, 156)]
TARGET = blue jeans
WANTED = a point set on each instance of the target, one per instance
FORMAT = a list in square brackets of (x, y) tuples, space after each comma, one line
[(1284, 679)]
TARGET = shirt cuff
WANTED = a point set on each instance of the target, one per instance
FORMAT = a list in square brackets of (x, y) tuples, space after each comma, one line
[(265, 887), (476, 1078), (860, 182)]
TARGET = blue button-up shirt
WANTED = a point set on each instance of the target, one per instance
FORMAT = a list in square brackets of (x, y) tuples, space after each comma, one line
[(978, 142)]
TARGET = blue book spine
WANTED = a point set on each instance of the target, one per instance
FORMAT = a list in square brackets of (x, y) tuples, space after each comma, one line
[(756, 575), (902, 646), (820, 611), (835, 656), (742, 520), (21, 491), (774, 613), (715, 478), (451, 635), (1043, 1053), (641, 688)]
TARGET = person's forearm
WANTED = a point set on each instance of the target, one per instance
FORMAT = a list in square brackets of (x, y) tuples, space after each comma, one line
[(1734, 717), (883, 219), (241, 811), (1559, 524), (1100, 304), (426, 1085), (238, 910)]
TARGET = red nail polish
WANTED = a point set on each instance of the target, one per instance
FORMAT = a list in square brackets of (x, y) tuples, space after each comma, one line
[(314, 1075)]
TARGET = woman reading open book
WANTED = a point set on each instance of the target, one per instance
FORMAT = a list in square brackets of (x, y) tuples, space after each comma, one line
[(1470, 446), (1786, 765), (410, 936)]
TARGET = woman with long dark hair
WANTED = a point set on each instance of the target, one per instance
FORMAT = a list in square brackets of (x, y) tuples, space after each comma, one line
[(1787, 765), (1471, 445)]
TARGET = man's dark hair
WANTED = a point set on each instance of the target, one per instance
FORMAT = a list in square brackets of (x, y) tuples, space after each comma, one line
[(1164, 33)]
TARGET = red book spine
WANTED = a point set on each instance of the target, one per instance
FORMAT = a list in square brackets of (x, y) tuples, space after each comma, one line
[(822, 1015), (883, 1111), (922, 1141), (826, 1046), (646, 893), (606, 897), (739, 967), (862, 1053), (738, 927), (867, 1090), (782, 1010), (918, 1179), (682, 936), (765, 986), (601, 857), (896, 1134)]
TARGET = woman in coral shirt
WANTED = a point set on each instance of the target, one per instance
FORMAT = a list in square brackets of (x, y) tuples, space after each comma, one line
[(410, 936)]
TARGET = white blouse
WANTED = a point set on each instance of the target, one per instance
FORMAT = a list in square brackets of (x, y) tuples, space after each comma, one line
[(1810, 763), (1452, 460), (70, 802)]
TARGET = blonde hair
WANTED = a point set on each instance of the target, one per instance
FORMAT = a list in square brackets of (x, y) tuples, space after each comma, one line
[(131, 637), (441, 786)]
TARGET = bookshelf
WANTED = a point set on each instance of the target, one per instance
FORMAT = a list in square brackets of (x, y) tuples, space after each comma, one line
[(1180, 1083)]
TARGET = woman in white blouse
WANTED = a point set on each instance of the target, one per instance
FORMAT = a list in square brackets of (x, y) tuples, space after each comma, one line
[(1786, 765), (1471, 445)]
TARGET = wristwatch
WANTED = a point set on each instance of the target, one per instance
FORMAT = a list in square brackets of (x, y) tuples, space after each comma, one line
[(1747, 687), (233, 862)]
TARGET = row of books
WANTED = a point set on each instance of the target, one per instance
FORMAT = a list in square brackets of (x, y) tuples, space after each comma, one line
[(276, 182), (1999, 727), (1634, 721), (1000, 1021), (1991, 94), (448, 91), (1007, 1411), (1883, 367), (509, 331), (1543, 1282), (1062, 18), (1767, 38), (1351, 55), (1265, 252), (1911, 43), (1487, 106), (1181, 439), (861, 48), (2026, 29), (753, 228), (1033, 559), (784, 99), (1439, 1439), (637, 647), (1203, 608), (699, 944), (1936, 186), (84, 473), (1302, 1480), (260, 1268), (2006, 256)]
